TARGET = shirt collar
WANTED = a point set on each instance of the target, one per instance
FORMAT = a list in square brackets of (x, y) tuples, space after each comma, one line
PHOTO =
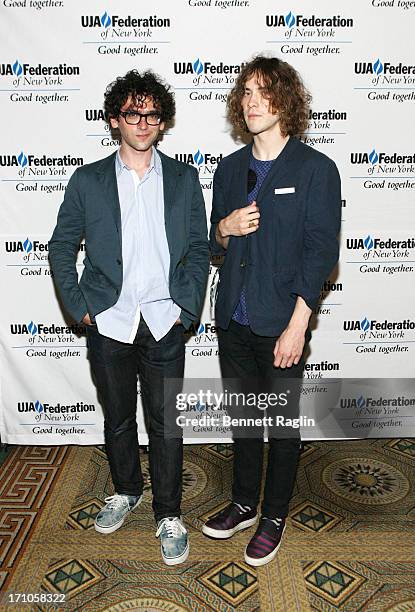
[(155, 162)]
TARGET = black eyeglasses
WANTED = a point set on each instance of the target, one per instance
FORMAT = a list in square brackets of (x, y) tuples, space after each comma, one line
[(134, 118)]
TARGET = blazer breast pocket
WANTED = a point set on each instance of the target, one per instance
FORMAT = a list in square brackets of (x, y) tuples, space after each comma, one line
[(285, 194), (289, 199), (284, 190)]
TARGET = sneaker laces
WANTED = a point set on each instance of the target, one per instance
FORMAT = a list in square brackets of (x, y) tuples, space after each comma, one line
[(116, 502), (242, 509), (276, 521), (173, 526)]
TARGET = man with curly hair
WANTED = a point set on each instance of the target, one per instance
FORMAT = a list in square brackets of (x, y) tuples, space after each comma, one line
[(275, 218), (143, 218)]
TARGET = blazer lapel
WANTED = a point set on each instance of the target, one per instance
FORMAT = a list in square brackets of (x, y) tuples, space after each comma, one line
[(107, 177), (280, 167), (170, 175), (241, 187)]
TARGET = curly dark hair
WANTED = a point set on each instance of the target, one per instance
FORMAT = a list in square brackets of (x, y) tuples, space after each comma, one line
[(139, 86), (284, 89)]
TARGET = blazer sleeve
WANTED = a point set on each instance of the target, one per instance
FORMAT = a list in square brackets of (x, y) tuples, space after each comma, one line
[(197, 257), (218, 210), (64, 246), (321, 228)]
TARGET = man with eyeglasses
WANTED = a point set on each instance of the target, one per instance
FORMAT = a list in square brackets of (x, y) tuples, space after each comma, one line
[(143, 218)]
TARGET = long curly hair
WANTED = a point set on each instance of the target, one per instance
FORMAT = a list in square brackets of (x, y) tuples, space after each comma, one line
[(282, 86), (139, 86)]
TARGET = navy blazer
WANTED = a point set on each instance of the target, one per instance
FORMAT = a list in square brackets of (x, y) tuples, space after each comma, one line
[(296, 246), (91, 209)]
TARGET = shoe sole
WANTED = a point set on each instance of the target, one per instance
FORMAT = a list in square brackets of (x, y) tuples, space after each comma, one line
[(176, 560), (264, 560), (224, 534), (113, 528)]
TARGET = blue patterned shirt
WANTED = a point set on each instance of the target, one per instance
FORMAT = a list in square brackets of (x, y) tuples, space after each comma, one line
[(261, 169)]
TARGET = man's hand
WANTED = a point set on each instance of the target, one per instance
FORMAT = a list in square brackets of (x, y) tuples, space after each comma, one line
[(289, 347), (87, 319), (240, 222)]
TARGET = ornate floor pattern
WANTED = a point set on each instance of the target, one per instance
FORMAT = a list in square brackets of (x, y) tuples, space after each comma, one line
[(349, 545), (28, 474)]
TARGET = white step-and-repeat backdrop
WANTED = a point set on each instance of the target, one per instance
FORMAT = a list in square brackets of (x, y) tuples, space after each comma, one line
[(358, 60)]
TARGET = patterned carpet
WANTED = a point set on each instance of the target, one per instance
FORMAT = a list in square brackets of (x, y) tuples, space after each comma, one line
[(349, 544)]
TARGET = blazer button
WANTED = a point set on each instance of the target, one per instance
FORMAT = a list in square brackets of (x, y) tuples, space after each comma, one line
[(242, 264), (119, 262)]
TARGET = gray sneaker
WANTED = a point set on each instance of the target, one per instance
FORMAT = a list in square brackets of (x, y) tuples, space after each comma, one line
[(112, 515), (174, 540)]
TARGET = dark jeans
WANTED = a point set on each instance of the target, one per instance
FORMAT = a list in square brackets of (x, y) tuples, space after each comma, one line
[(115, 366), (245, 356)]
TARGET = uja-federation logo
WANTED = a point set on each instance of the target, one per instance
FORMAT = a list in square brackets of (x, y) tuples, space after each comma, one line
[(324, 121), (48, 408), (205, 163), (40, 165), (377, 412), (301, 32), (379, 329), (203, 341), (48, 340), (126, 29), (320, 369), (205, 72), (382, 336), (27, 167), (378, 164), (384, 163), (374, 247), (23, 74), (388, 77), (31, 251), (301, 23), (28, 252), (119, 24), (386, 255), (55, 418), (47, 332), (327, 293), (367, 404), (200, 159), (97, 115), (26, 247)]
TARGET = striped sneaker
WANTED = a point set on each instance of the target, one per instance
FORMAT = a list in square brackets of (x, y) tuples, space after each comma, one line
[(231, 519), (265, 542)]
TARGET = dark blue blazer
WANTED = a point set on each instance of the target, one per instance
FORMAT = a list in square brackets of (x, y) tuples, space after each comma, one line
[(296, 246), (91, 210)]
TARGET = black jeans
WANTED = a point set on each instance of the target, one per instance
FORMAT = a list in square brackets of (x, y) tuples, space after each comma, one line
[(247, 356), (115, 366)]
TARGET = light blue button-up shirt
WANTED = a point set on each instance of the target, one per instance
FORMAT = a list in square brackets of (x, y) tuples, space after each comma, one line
[(145, 255)]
